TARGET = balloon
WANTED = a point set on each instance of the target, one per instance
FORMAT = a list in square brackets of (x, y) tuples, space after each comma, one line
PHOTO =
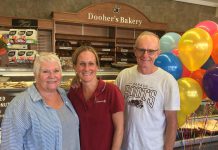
[(198, 76), (181, 118), (170, 63), (210, 83), (175, 52), (209, 63), (185, 71), (190, 95), (195, 47), (214, 53), (169, 41), (209, 26), (216, 105)]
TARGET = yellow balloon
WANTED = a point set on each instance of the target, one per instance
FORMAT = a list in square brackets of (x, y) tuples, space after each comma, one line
[(181, 118), (190, 95), (195, 47)]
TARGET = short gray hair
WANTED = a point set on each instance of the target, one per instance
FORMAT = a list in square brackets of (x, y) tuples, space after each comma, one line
[(44, 57), (147, 33)]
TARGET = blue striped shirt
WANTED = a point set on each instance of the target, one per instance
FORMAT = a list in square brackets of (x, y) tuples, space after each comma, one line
[(30, 124)]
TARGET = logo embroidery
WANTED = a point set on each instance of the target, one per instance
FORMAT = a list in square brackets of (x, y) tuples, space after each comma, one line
[(100, 101)]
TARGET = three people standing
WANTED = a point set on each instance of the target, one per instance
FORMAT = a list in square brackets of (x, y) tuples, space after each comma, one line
[(43, 118)]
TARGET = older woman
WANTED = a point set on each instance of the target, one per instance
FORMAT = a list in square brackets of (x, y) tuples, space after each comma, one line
[(42, 117), (98, 104)]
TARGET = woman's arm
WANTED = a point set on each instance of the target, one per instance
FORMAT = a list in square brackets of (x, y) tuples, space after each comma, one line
[(118, 122), (11, 136)]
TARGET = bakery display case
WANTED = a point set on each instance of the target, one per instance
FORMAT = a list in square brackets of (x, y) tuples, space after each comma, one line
[(15, 80), (200, 130)]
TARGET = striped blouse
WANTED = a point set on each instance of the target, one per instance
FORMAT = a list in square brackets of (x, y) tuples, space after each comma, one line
[(29, 124)]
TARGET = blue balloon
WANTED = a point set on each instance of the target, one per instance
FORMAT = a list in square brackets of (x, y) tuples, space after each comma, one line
[(170, 63), (169, 41)]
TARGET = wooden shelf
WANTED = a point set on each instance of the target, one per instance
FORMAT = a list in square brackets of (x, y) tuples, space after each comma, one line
[(110, 27), (125, 40), (83, 38)]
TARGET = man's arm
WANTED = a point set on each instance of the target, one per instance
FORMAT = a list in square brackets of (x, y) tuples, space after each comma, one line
[(171, 129)]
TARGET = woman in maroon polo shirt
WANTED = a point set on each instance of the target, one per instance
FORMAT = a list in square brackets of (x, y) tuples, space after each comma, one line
[(99, 105)]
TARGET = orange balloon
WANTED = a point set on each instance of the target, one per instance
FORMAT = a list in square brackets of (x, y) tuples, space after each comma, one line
[(214, 53), (198, 76)]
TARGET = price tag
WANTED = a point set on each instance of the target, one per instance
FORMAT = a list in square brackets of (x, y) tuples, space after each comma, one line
[(4, 101), (124, 50), (106, 50), (123, 59)]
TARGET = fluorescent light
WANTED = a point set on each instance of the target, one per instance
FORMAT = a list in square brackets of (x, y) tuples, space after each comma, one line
[(200, 2)]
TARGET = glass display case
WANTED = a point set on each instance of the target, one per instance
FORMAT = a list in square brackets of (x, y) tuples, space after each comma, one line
[(200, 130), (15, 80)]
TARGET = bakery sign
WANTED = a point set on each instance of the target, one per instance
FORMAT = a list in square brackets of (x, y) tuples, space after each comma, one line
[(114, 19), (114, 13), (4, 101)]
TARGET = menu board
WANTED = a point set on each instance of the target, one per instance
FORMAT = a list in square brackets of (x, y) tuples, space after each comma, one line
[(4, 101)]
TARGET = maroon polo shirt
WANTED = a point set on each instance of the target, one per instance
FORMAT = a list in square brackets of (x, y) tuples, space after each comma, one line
[(95, 115)]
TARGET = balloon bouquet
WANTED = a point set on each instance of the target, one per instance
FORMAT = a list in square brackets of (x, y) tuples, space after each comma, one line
[(193, 60)]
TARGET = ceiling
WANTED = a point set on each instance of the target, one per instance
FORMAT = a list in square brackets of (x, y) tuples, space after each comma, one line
[(211, 3)]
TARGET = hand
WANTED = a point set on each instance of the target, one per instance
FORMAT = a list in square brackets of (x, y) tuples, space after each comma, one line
[(75, 82)]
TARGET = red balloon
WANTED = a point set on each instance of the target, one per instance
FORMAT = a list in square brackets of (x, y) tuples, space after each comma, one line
[(175, 52), (209, 26), (198, 76), (185, 71), (216, 105), (214, 53)]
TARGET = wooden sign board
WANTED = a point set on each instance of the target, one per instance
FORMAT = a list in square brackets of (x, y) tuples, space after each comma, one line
[(25, 23), (110, 14)]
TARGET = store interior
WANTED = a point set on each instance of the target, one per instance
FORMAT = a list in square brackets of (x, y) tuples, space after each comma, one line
[(111, 29)]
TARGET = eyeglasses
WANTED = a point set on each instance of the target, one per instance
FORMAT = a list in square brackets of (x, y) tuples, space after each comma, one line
[(141, 51)]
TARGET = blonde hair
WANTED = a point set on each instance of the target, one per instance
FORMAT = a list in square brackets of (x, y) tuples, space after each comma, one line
[(44, 57), (81, 49)]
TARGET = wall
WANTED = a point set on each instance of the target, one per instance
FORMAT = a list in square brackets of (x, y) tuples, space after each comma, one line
[(176, 14)]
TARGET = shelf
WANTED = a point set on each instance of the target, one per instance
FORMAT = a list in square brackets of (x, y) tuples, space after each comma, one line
[(17, 72), (196, 141), (125, 40), (83, 38), (108, 32)]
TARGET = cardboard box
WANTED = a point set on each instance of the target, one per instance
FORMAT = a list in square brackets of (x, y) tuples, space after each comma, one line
[(31, 36)]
